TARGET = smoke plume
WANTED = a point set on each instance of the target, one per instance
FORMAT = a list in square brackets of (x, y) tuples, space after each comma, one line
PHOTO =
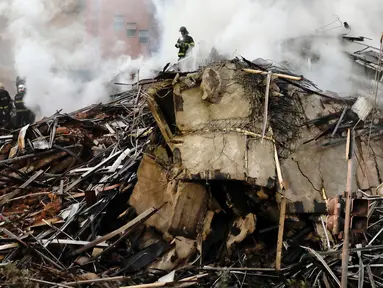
[(54, 53), (47, 54), (256, 28)]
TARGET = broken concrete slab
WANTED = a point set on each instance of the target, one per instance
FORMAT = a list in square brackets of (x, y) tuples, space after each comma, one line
[(153, 190), (310, 180), (213, 155), (377, 153), (211, 85), (227, 156), (306, 127), (367, 174), (261, 162), (190, 205), (228, 103), (183, 205)]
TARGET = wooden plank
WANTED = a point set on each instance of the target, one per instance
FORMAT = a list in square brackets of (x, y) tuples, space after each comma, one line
[(140, 218), (161, 122), (347, 218), (70, 242), (280, 234), (266, 112), (97, 280), (284, 76), (51, 221), (30, 195), (8, 246), (279, 170), (9, 196), (191, 279)]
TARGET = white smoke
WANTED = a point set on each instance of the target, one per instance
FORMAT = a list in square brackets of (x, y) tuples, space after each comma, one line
[(52, 52), (45, 53), (256, 28)]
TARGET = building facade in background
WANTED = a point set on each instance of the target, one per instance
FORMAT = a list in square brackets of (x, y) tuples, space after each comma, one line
[(121, 27), (118, 27), (7, 75)]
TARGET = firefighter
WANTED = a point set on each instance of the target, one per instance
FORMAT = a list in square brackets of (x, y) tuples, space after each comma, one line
[(19, 81), (23, 115), (5, 107), (185, 43)]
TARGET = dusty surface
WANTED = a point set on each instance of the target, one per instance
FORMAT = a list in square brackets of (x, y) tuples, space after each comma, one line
[(153, 190), (210, 107), (203, 107), (261, 162), (222, 153)]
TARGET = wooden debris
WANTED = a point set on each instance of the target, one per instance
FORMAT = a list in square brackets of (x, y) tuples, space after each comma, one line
[(145, 191), (280, 233)]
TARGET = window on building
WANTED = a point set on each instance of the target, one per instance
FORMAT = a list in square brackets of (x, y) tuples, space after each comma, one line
[(131, 29), (144, 36), (119, 22)]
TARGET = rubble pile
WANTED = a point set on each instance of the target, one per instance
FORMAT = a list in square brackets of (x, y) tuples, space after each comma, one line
[(223, 177), (65, 181)]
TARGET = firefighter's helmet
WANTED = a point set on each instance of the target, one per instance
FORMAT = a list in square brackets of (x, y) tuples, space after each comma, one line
[(21, 88), (183, 30)]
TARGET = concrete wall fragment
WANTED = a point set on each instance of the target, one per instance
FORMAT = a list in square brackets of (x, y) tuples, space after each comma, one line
[(183, 205), (153, 190), (313, 174), (228, 156), (260, 162), (208, 105), (219, 114)]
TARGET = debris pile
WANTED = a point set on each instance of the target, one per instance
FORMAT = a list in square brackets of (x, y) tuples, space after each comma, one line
[(65, 181), (229, 176)]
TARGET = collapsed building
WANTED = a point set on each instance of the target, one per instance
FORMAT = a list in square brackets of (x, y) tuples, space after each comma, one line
[(215, 124), (218, 177)]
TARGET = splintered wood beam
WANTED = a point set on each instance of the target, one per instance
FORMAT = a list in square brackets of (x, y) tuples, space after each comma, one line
[(266, 112), (7, 197), (161, 122), (347, 218), (157, 112), (279, 169), (281, 229), (278, 75), (139, 219)]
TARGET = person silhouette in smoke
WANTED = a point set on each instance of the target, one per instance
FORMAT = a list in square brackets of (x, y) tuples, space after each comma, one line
[(23, 114), (19, 81), (185, 43), (5, 107)]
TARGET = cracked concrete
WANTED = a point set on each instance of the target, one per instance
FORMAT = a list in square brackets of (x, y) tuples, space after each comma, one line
[(312, 167), (212, 155), (210, 143), (367, 168), (318, 168), (308, 179)]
